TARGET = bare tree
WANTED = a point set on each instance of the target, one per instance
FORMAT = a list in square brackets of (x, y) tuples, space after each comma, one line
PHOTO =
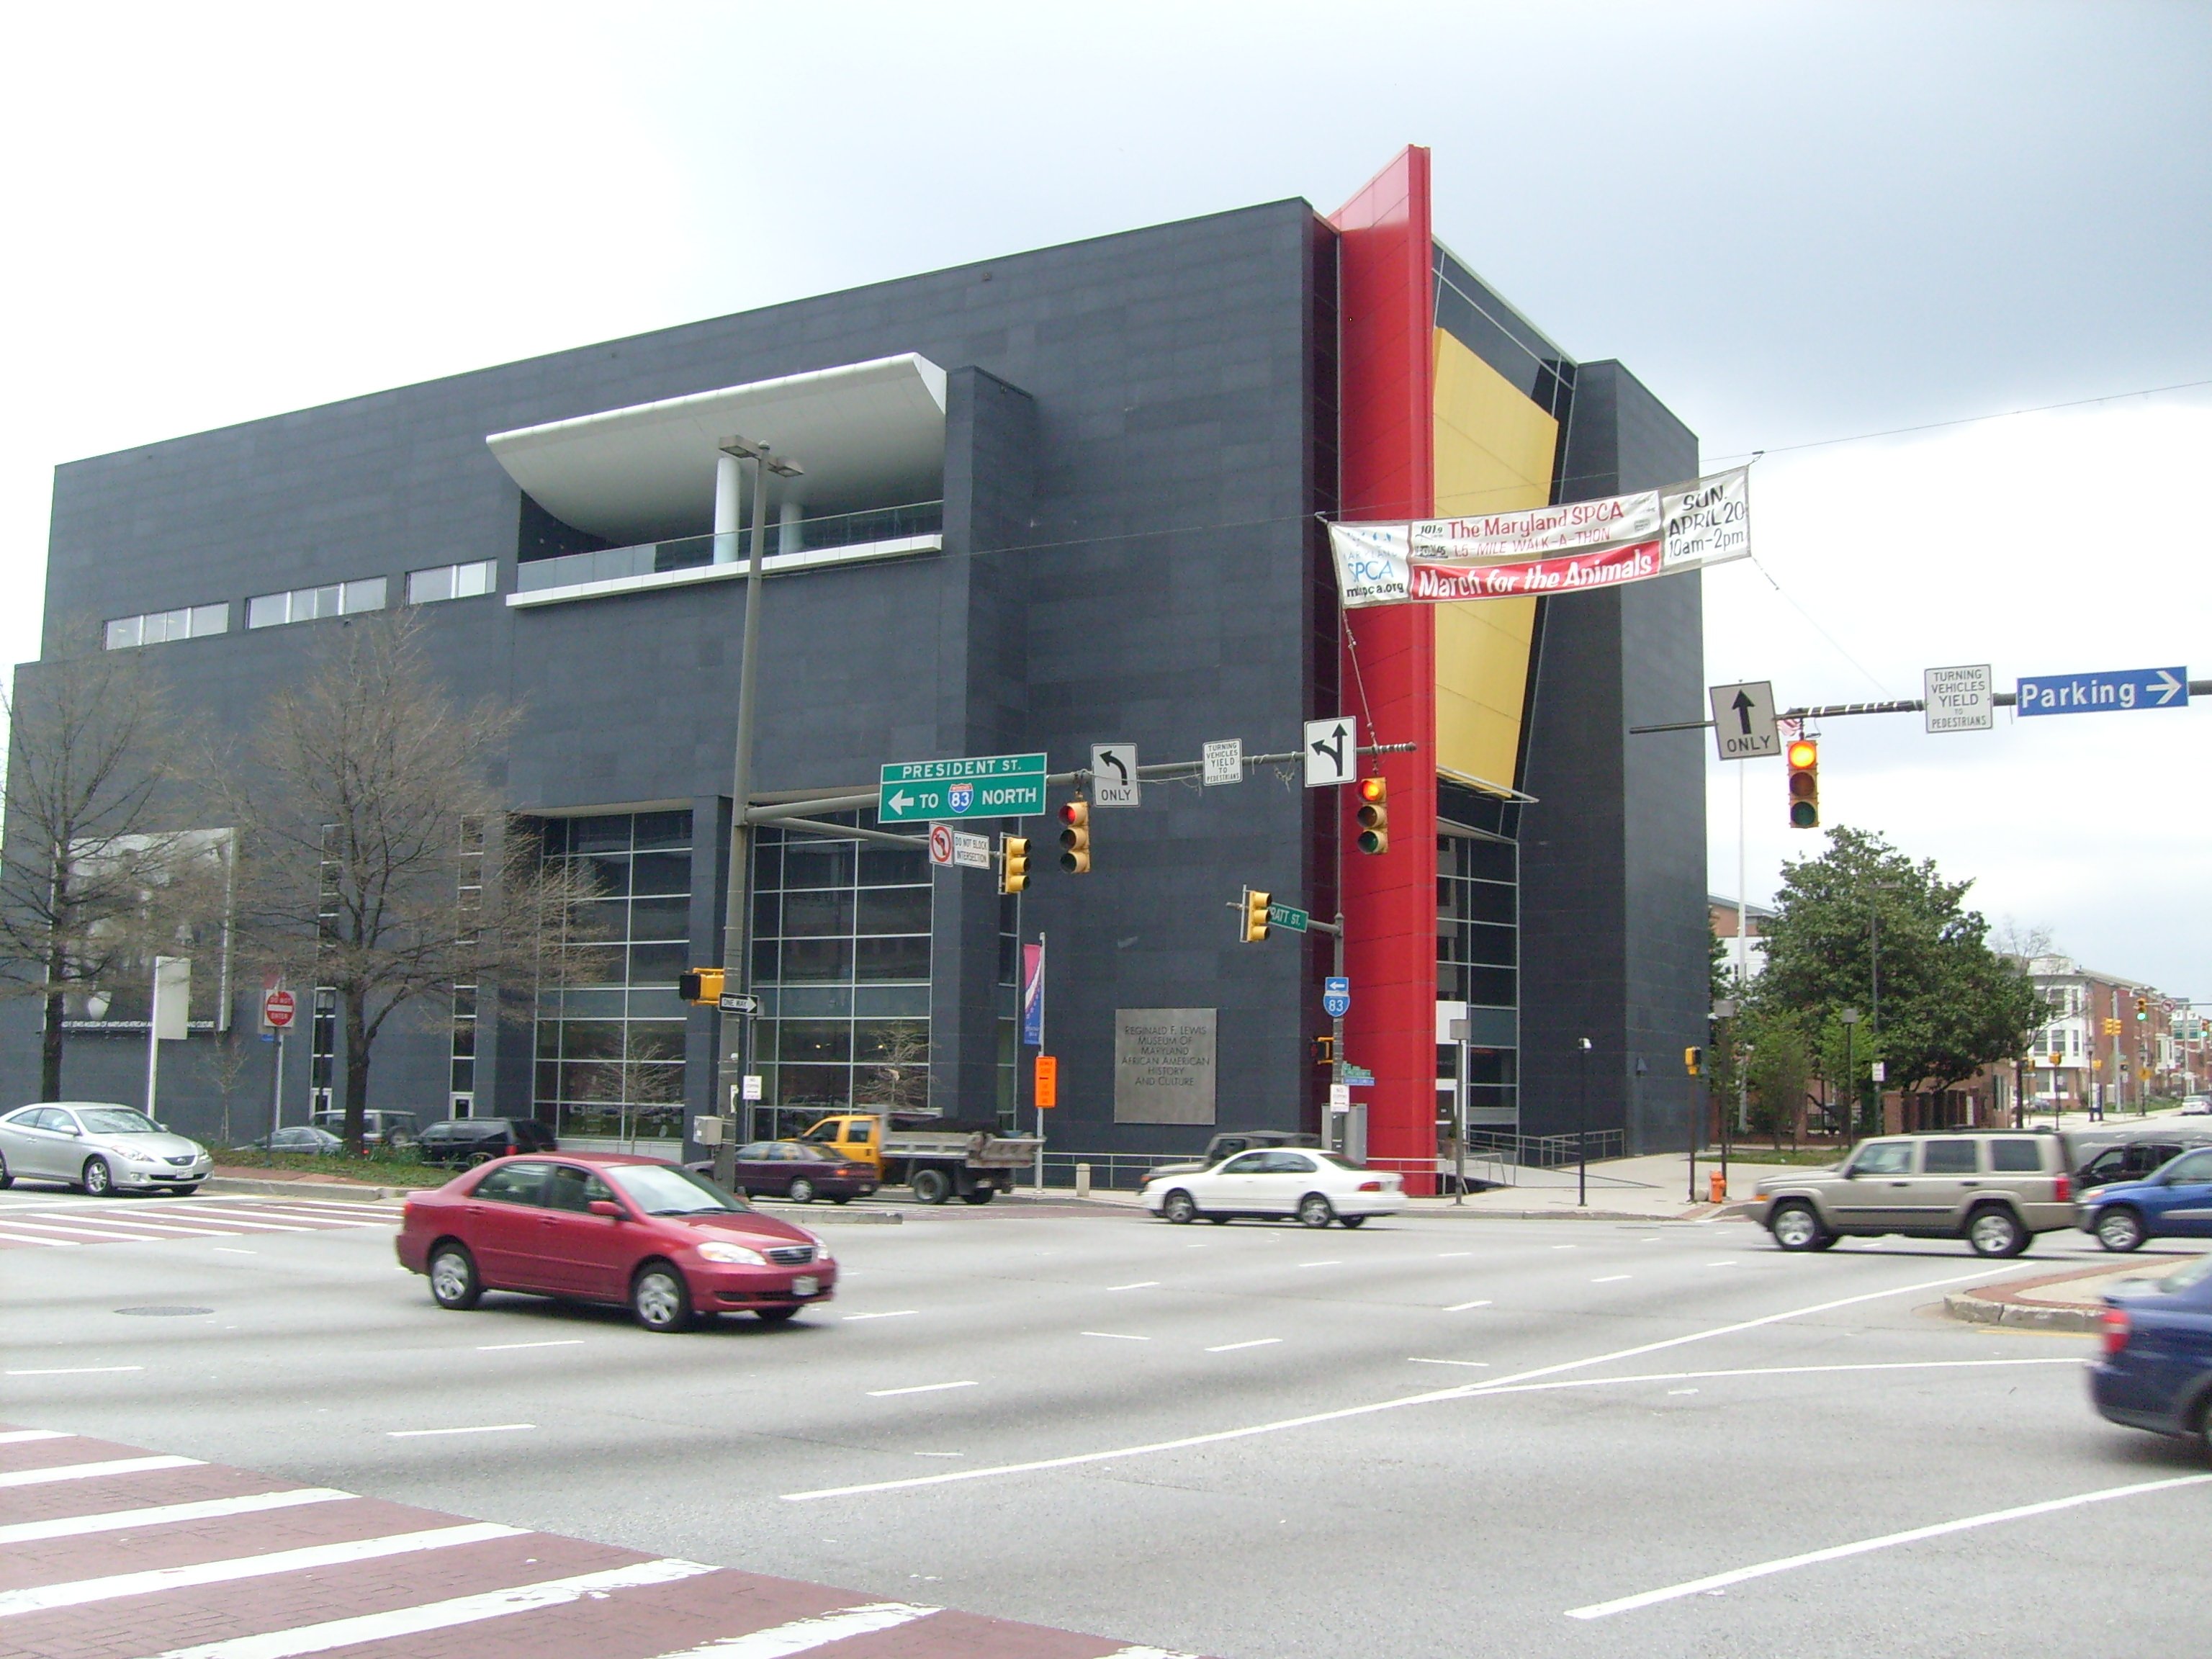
[(376, 857), (899, 1080), (91, 886)]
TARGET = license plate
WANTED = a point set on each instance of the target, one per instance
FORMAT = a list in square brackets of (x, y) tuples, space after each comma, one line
[(806, 1285)]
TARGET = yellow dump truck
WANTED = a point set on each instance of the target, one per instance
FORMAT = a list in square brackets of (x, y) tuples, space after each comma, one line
[(937, 1156)]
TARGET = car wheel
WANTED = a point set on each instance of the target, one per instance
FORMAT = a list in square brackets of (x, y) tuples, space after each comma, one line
[(932, 1186), (1315, 1211), (7, 1175), (775, 1316), (1219, 1220), (659, 1297), (979, 1195), (1827, 1240), (1351, 1220), (802, 1190), (841, 1198), (477, 1160), (1179, 1208), (454, 1281), (1996, 1231), (97, 1179), (182, 1191), (1796, 1227), (2120, 1229)]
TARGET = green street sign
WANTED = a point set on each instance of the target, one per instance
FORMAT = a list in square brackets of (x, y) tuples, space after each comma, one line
[(981, 786), (1287, 916)]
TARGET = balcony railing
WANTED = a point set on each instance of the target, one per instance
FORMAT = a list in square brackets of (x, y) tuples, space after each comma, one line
[(879, 524)]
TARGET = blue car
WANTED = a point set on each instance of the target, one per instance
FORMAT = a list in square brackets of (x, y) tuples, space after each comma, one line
[(2156, 1373), (2175, 1203)]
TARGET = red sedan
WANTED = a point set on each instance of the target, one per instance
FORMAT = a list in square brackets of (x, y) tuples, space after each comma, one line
[(604, 1227)]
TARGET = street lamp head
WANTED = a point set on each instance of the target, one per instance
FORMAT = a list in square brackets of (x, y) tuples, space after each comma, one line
[(1849, 1016), (1582, 1043)]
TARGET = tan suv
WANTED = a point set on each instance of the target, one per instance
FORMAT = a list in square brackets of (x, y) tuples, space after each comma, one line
[(1996, 1191)]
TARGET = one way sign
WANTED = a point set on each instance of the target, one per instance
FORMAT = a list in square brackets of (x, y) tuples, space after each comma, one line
[(1743, 720), (1332, 752)]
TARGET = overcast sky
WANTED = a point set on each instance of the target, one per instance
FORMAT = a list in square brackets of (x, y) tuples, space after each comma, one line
[(1796, 223)]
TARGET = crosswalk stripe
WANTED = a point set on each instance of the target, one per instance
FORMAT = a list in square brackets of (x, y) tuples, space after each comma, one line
[(93, 1471), (801, 1635), (51, 1243), (441, 1616), (162, 1514), (18, 1436), (44, 1598), (128, 1229)]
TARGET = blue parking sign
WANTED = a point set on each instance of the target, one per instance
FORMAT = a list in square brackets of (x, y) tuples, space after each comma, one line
[(1335, 996)]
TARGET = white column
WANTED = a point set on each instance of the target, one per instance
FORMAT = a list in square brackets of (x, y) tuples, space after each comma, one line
[(729, 500), (786, 539)]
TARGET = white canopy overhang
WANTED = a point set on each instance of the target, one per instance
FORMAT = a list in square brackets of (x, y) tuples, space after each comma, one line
[(867, 435)]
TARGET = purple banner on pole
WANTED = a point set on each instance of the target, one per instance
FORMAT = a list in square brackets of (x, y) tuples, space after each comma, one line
[(1033, 995)]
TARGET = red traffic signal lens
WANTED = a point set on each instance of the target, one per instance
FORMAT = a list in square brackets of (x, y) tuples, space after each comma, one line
[(1076, 813), (1804, 752), (1374, 789)]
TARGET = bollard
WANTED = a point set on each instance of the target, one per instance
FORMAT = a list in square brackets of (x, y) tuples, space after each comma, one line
[(1717, 1186), (1083, 1181)]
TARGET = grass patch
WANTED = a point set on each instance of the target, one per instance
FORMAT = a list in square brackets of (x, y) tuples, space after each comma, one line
[(375, 1167), (1804, 1156)]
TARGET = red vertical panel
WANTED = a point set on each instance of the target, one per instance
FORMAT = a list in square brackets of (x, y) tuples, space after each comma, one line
[(1388, 400)]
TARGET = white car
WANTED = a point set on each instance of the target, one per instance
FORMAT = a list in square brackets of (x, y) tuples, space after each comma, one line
[(2197, 1106), (1316, 1186), (99, 1147)]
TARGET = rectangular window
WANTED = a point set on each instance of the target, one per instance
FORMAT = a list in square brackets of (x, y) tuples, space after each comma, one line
[(155, 628), (314, 603), (452, 582)]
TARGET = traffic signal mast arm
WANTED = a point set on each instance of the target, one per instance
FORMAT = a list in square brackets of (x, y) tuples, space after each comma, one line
[(1828, 711)]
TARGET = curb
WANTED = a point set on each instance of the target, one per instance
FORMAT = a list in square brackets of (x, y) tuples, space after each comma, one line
[(811, 1217), (2000, 1304), (337, 1189)]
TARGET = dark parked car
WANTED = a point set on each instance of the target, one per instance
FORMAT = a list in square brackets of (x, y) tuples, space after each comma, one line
[(2175, 1203), (1230, 1142), (464, 1141), (606, 1227), (298, 1139), (2156, 1373), (795, 1170)]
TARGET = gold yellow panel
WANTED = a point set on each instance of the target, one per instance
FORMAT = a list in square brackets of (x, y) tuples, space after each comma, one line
[(1493, 454)]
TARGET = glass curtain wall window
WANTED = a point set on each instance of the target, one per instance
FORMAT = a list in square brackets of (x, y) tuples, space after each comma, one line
[(840, 959), (156, 627), (313, 603), (1477, 960), (452, 582), (610, 1050)]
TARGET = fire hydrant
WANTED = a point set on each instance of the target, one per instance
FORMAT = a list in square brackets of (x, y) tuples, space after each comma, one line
[(1717, 1186)]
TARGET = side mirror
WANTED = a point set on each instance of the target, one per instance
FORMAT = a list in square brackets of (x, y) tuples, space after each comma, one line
[(607, 1207)]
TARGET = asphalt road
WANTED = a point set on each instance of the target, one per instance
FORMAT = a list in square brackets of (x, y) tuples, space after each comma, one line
[(1434, 1436)]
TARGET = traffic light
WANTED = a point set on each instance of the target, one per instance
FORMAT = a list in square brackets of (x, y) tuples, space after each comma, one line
[(1694, 1061), (1324, 1051), (2112, 1028), (1255, 916), (1374, 815), (701, 985), (1014, 863), (2143, 1007), (1804, 784), (1075, 837)]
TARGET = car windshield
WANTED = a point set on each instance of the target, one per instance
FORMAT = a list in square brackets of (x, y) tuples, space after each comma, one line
[(663, 1189), (118, 1121)]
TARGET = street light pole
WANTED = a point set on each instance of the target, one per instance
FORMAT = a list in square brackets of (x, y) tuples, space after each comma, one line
[(1850, 1019), (1581, 1121), (735, 1052)]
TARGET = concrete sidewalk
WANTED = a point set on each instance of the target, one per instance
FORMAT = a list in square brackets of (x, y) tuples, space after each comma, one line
[(2058, 1302)]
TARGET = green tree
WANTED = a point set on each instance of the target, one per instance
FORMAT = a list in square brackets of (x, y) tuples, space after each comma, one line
[(1777, 1066), (1947, 1003)]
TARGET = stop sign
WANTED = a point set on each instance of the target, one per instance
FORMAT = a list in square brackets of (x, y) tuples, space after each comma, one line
[(277, 1009)]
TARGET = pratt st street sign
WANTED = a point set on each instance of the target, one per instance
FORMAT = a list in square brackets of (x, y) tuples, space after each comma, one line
[(980, 786)]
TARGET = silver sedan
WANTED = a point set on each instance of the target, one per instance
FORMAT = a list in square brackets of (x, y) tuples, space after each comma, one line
[(99, 1148)]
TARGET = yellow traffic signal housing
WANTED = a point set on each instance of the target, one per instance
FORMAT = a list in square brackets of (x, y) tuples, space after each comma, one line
[(1804, 784), (701, 985), (1694, 1061), (2143, 1007), (1324, 1051), (1255, 916), (1014, 863), (1374, 815), (1075, 838)]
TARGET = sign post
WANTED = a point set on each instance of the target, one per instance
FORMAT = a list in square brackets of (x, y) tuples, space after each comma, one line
[(277, 1009)]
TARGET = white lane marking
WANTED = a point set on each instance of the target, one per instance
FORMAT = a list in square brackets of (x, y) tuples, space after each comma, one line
[(804, 1635), (1477, 1365), (232, 1249), (1566, 1247), (1610, 1278), (54, 1244), (441, 1616), (919, 1387), (1344, 1413), (1339, 1263), (1256, 1342), (18, 1436), (941, 1454), (77, 1593), (1672, 1392), (1141, 1285), (1768, 1370), (1448, 1255), (899, 1312), (1118, 1336), (161, 1515), (93, 1471), (1722, 1264), (71, 1371), (481, 1428), (1149, 1653), (556, 1342), (1462, 1307), (1887, 1540)]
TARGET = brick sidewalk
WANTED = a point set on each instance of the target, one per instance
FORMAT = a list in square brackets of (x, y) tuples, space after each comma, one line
[(107, 1552)]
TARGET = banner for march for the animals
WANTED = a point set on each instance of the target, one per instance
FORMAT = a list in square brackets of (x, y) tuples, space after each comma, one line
[(1567, 549)]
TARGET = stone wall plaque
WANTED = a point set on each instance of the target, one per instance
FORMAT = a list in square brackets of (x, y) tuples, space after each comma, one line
[(1164, 1065)]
